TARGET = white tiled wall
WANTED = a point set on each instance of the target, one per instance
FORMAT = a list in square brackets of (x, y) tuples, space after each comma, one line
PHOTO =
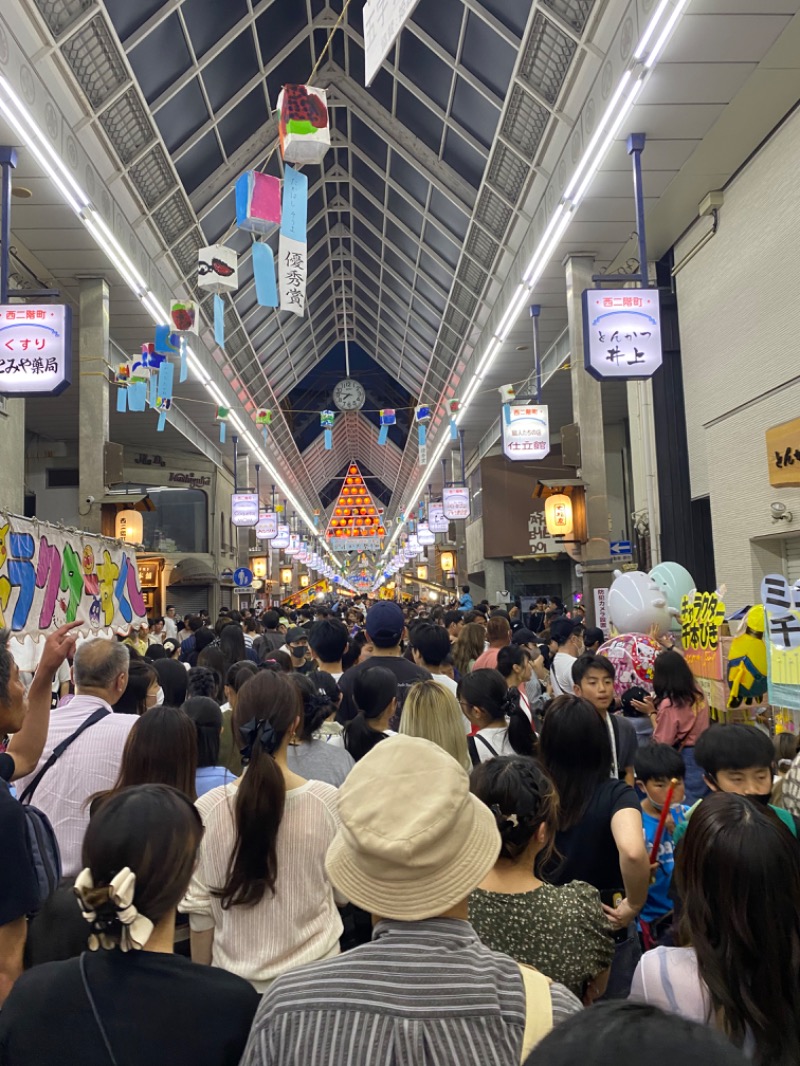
[(739, 307)]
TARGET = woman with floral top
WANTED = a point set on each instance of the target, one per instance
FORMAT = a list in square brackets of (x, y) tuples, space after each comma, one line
[(559, 930)]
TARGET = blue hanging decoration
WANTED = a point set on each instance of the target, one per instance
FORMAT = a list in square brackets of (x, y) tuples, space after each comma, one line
[(328, 440), (222, 432), (264, 274), (137, 396), (167, 342), (162, 420), (166, 379), (422, 435), (219, 320), (122, 400), (383, 435), (264, 434), (184, 374), (153, 389)]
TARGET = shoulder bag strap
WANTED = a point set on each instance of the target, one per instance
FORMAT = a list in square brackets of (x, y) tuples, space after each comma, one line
[(95, 1011), (100, 713), (538, 1008), (484, 741)]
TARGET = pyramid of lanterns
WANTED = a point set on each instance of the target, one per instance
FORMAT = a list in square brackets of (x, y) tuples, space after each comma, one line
[(355, 514)]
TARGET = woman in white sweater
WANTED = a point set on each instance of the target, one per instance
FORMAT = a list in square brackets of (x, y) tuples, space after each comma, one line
[(260, 902)]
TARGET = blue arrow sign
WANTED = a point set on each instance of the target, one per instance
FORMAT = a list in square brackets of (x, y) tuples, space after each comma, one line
[(620, 548)]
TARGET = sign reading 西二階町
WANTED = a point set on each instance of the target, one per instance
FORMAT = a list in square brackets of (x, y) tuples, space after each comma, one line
[(35, 349), (783, 453)]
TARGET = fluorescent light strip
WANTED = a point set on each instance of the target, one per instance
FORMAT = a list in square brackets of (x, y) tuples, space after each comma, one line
[(652, 26), (590, 163), (666, 34), (607, 119), (30, 134), (50, 160)]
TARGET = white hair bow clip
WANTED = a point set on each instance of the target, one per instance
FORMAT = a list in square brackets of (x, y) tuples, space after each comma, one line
[(136, 928)]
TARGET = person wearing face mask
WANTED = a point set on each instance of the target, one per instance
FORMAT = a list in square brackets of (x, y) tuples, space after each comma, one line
[(296, 647), (568, 638), (738, 759), (657, 765)]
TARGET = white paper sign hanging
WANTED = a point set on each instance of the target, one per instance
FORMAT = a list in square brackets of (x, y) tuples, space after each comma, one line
[(621, 333), (293, 260), (456, 502), (526, 431)]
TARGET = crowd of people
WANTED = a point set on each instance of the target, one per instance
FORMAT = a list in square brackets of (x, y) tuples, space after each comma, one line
[(375, 834)]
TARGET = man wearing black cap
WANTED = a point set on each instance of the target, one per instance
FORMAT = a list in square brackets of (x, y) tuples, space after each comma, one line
[(296, 646), (385, 630)]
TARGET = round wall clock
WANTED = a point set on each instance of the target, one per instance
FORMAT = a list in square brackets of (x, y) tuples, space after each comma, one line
[(349, 395)]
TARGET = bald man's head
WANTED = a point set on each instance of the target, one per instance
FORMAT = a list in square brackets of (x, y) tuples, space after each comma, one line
[(101, 666)]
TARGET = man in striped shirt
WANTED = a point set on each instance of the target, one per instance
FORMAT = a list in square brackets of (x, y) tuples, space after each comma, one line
[(413, 843)]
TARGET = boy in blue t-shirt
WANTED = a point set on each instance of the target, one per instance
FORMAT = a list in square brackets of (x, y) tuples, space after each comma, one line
[(656, 765)]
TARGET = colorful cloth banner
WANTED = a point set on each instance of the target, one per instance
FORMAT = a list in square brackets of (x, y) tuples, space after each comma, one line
[(264, 274), (51, 576), (782, 610)]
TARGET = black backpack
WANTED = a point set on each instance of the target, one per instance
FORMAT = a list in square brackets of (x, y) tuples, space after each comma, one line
[(42, 843)]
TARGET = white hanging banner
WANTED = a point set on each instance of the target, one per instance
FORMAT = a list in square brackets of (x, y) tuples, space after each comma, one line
[(281, 540), (456, 502), (293, 259), (383, 21), (425, 535), (49, 576), (621, 333)]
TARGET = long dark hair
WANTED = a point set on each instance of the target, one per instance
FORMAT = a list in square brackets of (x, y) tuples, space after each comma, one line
[(141, 676), (317, 705), (232, 645), (207, 719), (487, 690), (267, 707), (172, 676), (161, 749), (156, 831), (211, 658), (738, 873), (468, 646), (576, 752), (373, 691), (522, 798), (673, 680)]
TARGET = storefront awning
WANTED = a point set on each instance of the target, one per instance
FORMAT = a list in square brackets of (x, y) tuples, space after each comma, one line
[(192, 572)]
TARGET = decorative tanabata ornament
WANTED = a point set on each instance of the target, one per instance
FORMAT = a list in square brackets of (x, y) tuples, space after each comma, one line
[(304, 128), (258, 202), (747, 660), (675, 582), (183, 316), (636, 603), (633, 657), (218, 269)]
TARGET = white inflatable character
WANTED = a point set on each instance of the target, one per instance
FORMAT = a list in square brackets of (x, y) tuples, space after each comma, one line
[(636, 603)]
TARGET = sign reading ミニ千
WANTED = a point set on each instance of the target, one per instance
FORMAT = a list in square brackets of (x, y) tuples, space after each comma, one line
[(35, 349), (621, 333)]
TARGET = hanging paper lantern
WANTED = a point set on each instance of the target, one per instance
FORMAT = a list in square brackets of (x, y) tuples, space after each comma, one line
[(258, 202), (303, 128), (218, 269), (183, 316), (263, 417)]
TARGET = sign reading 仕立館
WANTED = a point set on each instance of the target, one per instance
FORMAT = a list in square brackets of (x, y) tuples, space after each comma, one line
[(526, 431), (621, 333), (35, 349)]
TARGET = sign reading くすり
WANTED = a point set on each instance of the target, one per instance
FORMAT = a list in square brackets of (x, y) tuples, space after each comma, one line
[(35, 349)]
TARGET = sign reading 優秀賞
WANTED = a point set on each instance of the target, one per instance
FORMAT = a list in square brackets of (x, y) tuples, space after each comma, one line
[(35, 349)]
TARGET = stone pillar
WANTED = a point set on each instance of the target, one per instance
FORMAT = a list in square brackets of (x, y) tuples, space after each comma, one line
[(93, 405), (587, 411), (494, 579), (12, 456)]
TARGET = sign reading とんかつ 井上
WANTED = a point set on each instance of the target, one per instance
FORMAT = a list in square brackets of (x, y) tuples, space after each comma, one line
[(621, 333), (35, 349), (49, 576)]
